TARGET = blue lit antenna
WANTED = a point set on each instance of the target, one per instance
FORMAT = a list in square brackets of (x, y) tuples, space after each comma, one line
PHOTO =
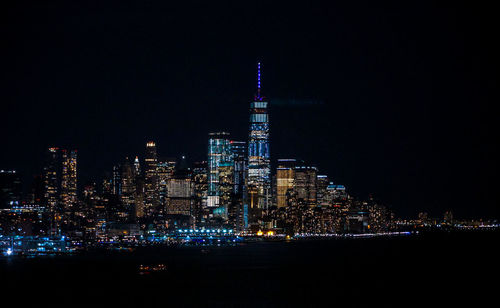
[(258, 81)]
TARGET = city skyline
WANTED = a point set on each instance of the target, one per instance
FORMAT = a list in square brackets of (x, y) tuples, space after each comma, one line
[(381, 112), (151, 162), (249, 153), (240, 186)]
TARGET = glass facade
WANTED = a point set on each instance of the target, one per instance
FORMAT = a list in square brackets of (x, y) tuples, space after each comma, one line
[(285, 180), (220, 171), (259, 163)]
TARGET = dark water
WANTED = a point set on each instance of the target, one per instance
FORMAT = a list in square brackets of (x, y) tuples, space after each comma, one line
[(427, 270)]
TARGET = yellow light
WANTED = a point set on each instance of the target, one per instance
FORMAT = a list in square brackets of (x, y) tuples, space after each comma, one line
[(260, 233), (269, 233)]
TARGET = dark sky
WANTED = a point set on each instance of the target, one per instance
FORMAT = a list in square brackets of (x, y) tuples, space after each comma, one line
[(395, 100)]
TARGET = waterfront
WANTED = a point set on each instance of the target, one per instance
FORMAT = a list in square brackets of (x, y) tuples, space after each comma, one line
[(388, 271)]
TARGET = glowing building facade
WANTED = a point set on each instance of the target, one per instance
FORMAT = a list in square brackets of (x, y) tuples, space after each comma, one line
[(238, 212), (259, 163), (220, 172), (151, 191), (51, 177), (285, 180), (305, 185), (68, 181), (60, 178), (166, 168)]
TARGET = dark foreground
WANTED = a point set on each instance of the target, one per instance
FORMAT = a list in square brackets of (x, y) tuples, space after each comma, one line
[(424, 270)]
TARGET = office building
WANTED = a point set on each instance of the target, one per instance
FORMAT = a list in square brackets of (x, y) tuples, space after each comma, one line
[(259, 164), (285, 181), (220, 173)]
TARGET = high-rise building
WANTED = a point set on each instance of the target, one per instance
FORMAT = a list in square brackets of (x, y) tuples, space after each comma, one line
[(52, 177), (200, 186), (151, 192), (305, 185), (128, 186), (68, 180), (117, 180), (139, 189), (180, 193), (238, 212), (60, 185), (137, 167), (220, 172), (285, 180), (166, 169), (321, 190), (335, 194), (259, 164)]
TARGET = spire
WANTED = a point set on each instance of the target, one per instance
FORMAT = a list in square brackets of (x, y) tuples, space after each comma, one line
[(258, 82)]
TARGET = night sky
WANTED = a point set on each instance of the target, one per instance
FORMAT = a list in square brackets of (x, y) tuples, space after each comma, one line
[(395, 100)]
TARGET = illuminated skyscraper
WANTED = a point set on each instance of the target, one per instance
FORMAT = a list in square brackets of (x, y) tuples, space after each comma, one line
[(220, 172), (259, 164), (180, 192), (200, 186), (128, 184), (60, 186), (117, 180), (321, 190), (68, 181), (166, 168), (285, 179), (137, 167), (238, 212), (305, 185), (151, 192), (52, 177)]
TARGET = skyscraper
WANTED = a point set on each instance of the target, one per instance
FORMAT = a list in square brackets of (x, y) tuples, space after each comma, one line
[(180, 192), (305, 185), (68, 180), (151, 192), (321, 190), (166, 169), (238, 212), (128, 184), (52, 176), (60, 184), (285, 180), (220, 172), (200, 187), (117, 180), (259, 164)]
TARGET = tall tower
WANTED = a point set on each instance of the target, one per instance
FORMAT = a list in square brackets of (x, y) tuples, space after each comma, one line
[(220, 172), (151, 193), (259, 163), (238, 213), (52, 177), (68, 180)]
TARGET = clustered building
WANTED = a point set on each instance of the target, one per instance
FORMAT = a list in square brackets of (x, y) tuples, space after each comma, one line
[(234, 189)]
